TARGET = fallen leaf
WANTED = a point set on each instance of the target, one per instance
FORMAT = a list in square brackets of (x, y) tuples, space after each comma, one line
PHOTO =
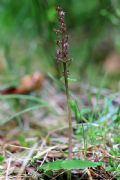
[(28, 83)]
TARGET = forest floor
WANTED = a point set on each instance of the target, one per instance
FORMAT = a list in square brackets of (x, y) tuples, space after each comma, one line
[(34, 131)]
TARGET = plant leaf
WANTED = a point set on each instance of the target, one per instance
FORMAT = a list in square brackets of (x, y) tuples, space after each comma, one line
[(20, 113), (69, 165), (25, 97), (2, 158)]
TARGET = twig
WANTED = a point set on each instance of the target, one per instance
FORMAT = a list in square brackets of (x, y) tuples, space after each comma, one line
[(27, 160), (8, 168)]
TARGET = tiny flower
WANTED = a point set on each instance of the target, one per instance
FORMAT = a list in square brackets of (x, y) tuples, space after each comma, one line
[(66, 45), (62, 13)]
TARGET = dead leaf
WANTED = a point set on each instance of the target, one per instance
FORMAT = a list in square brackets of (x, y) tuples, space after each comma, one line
[(55, 154), (28, 83)]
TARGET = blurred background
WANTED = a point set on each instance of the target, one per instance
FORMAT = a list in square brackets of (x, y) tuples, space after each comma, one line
[(28, 40)]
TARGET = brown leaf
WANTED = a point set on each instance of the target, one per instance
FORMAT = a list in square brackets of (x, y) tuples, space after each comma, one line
[(55, 154), (28, 83)]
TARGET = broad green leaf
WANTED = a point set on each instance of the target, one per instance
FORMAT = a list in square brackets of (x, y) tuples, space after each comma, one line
[(78, 164), (69, 165)]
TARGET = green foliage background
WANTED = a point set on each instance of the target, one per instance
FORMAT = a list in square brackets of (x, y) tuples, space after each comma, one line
[(28, 39)]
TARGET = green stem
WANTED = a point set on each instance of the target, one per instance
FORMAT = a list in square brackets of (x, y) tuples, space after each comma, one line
[(69, 175), (69, 118)]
